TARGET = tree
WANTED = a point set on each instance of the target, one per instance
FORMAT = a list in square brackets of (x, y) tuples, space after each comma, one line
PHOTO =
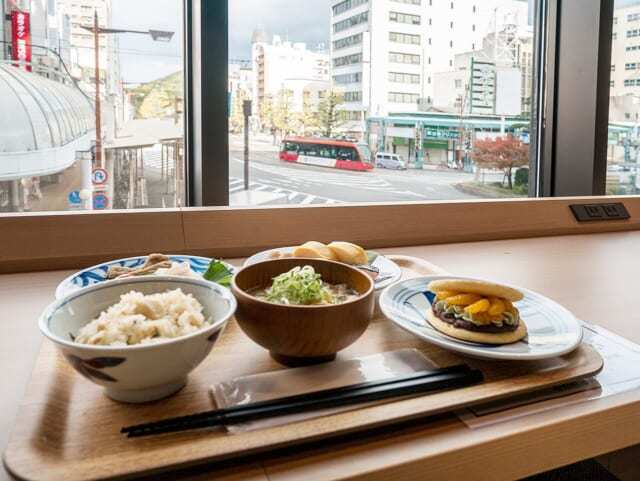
[(505, 153), (307, 120), (330, 117), (282, 117), (266, 113), (236, 121)]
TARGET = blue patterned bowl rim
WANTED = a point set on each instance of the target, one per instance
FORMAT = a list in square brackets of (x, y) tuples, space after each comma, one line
[(71, 283)]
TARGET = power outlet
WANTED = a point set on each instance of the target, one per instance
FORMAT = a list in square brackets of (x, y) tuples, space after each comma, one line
[(598, 212)]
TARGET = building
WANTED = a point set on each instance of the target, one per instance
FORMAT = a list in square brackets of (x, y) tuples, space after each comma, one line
[(625, 64), (405, 42), (438, 134), (624, 101), (240, 89), (493, 80), (82, 50), (287, 72), (46, 30)]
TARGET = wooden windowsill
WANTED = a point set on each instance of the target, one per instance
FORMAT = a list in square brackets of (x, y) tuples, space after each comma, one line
[(71, 240)]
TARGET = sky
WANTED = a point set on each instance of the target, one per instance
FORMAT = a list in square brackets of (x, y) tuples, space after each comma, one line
[(142, 59), (300, 20)]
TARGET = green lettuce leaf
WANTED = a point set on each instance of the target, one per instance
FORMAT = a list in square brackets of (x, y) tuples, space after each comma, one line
[(218, 272)]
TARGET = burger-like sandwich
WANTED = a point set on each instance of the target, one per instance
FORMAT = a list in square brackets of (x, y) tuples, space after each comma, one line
[(476, 311)]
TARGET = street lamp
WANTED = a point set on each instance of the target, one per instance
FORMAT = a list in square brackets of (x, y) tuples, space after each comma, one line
[(156, 35)]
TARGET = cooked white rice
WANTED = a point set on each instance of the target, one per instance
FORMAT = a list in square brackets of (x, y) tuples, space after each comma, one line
[(143, 319)]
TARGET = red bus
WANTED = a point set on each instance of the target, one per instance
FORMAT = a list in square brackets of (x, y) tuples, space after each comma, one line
[(339, 154)]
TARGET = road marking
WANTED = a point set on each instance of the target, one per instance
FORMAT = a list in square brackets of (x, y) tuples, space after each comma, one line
[(293, 196)]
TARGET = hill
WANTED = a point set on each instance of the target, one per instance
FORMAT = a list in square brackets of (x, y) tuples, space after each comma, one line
[(157, 99)]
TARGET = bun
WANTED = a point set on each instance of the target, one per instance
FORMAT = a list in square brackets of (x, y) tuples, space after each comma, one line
[(315, 250), (349, 253), (474, 336), (482, 288)]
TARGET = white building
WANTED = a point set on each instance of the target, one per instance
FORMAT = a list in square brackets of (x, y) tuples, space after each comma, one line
[(625, 65), (385, 53), (493, 80), (241, 83), (82, 42), (282, 68), (241, 78)]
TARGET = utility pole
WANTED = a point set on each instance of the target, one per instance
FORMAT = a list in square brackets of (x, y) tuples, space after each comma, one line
[(246, 110), (96, 46)]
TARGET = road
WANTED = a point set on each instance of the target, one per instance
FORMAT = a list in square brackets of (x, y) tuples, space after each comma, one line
[(304, 184)]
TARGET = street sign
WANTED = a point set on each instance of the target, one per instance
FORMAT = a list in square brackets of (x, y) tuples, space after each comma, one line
[(21, 37), (100, 201), (99, 176), (74, 197), (246, 108), (483, 87)]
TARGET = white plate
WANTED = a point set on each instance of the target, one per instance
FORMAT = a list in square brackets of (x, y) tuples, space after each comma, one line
[(96, 274), (552, 329), (390, 272)]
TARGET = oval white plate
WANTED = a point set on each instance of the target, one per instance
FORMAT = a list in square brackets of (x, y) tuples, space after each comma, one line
[(98, 273), (390, 272), (552, 329)]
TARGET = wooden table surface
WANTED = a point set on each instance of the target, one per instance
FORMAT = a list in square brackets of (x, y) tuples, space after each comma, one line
[(593, 275)]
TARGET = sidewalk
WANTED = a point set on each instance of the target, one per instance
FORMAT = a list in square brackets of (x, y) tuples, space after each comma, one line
[(55, 196)]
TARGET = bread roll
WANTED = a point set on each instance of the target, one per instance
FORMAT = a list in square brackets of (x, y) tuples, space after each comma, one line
[(349, 253), (315, 250)]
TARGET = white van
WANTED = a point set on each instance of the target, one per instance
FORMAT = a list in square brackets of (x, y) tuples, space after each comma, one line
[(390, 161)]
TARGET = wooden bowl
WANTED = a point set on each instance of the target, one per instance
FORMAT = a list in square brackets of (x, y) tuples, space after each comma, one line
[(300, 335)]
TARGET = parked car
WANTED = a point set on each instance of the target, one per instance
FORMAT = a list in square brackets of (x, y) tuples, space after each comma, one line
[(390, 161)]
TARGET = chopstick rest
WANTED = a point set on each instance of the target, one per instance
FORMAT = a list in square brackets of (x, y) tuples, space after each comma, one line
[(417, 383)]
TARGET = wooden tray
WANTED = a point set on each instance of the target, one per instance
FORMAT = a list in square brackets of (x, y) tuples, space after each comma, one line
[(68, 430)]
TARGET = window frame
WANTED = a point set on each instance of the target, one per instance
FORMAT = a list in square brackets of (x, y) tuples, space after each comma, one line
[(572, 99), (559, 28), (206, 116), (206, 86)]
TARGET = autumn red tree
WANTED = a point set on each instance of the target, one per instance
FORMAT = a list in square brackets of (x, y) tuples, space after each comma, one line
[(505, 153)]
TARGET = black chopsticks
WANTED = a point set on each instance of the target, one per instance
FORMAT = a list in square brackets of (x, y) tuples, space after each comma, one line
[(419, 382)]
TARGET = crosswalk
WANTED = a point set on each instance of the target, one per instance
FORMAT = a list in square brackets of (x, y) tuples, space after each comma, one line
[(297, 176), (293, 184), (292, 196)]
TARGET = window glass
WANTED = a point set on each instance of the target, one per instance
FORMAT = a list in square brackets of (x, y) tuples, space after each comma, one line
[(347, 153), (446, 87), (60, 149), (623, 149)]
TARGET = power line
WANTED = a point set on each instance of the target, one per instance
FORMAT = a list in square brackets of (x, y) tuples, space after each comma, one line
[(60, 59), (127, 51), (134, 52)]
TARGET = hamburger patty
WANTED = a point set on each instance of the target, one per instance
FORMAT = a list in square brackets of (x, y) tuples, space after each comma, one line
[(470, 326)]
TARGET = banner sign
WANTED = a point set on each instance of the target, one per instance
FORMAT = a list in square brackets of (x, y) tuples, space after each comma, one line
[(21, 37)]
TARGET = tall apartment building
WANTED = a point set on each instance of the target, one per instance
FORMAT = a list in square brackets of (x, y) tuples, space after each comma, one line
[(625, 65), (81, 12), (282, 67), (82, 53), (384, 53)]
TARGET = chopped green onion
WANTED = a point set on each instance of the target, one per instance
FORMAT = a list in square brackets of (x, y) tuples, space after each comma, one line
[(300, 285)]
